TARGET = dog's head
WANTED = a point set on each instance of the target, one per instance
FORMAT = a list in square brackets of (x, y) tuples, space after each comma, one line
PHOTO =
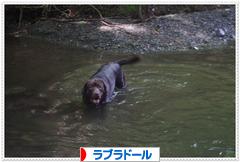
[(94, 92)]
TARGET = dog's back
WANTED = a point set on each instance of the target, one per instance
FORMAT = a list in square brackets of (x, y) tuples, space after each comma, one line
[(107, 70)]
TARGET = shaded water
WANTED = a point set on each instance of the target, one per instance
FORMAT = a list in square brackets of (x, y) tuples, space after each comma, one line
[(183, 103)]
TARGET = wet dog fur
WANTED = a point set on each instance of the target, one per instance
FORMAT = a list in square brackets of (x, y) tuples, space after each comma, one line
[(99, 89)]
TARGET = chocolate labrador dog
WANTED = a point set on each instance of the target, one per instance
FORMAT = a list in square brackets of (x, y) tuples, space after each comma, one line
[(99, 89)]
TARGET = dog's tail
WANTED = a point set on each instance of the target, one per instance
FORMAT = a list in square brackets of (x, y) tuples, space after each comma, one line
[(129, 60)]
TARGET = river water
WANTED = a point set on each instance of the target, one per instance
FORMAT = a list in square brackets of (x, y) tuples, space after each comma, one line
[(182, 102)]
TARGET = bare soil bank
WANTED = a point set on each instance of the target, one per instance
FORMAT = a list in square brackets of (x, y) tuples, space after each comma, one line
[(177, 32)]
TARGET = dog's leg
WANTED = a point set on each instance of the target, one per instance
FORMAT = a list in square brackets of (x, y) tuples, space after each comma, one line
[(120, 80)]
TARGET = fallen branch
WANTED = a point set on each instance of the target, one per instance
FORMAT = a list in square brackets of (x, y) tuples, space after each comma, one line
[(63, 12), (99, 13), (20, 17)]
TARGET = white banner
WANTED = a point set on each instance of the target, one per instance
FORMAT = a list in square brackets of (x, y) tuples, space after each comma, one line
[(119, 153)]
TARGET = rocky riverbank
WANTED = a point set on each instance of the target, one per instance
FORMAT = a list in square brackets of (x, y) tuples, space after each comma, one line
[(177, 32)]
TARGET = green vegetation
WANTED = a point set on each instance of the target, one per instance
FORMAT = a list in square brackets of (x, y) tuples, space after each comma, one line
[(128, 10)]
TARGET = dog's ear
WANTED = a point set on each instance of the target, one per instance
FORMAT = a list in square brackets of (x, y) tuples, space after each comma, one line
[(84, 89), (87, 85), (84, 92), (104, 90)]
